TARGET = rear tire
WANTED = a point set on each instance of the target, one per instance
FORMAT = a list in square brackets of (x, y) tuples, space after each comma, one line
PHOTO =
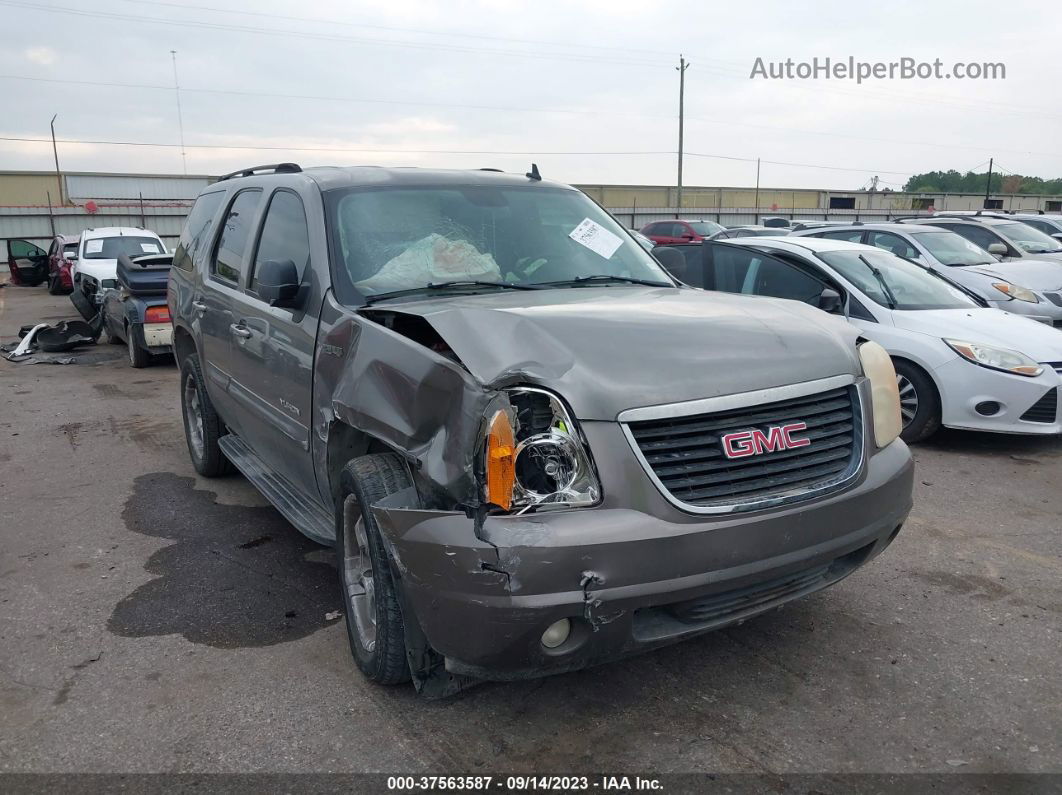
[(138, 357), (371, 600), (919, 402), (202, 425)]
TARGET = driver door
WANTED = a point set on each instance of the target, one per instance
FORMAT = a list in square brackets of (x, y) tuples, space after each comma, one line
[(28, 262), (748, 271)]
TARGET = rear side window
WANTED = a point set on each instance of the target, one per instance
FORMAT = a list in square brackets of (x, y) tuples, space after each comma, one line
[(197, 229), (284, 234), (228, 261)]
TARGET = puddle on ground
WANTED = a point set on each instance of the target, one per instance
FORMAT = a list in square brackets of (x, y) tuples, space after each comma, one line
[(234, 576)]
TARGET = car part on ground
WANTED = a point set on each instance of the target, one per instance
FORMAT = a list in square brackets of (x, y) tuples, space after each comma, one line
[(457, 378)]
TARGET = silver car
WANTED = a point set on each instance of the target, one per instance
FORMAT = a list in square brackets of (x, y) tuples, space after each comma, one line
[(1003, 237), (1023, 286)]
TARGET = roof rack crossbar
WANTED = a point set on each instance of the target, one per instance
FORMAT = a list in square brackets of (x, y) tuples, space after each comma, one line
[(274, 168)]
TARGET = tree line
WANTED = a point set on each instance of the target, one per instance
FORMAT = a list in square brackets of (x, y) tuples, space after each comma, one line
[(973, 182)]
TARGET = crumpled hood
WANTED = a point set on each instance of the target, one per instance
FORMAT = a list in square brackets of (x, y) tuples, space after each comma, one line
[(98, 269), (990, 326), (606, 349), (1034, 274)]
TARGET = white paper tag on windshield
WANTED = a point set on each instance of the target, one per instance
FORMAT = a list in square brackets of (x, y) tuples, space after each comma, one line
[(150, 248), (596, 238), (94, 246)]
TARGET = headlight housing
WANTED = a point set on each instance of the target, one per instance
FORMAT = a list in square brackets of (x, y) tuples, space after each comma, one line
[(1016, 292), (884, 393), (994, 358), (535, 455)]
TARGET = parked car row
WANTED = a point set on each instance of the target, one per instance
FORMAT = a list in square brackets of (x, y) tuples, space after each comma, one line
[(106, 270)]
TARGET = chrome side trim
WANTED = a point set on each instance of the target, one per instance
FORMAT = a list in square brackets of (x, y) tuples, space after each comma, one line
[(740, 400), (860, 396)]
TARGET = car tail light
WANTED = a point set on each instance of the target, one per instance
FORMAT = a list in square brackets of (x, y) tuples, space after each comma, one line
[(157, 314)]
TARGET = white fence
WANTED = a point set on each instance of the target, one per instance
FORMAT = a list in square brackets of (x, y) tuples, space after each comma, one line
[(637, 217)]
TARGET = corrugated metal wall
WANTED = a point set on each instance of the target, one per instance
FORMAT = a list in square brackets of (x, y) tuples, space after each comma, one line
[(100, 186), (36, 224)]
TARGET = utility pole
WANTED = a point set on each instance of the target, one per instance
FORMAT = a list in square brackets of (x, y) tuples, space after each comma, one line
[(180, 120), (55, 151), (757, 191), (682, 67), (988, 185)]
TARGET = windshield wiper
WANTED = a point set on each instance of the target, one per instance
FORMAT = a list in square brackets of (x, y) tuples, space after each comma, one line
[(457, 284), (881, 281), (608, 277)]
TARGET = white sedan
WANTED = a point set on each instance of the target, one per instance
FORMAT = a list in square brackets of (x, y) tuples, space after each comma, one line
[(958, 364)]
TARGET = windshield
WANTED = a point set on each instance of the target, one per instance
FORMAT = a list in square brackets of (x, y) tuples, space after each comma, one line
[(394, 239), (130, 245), (705, 228), (952, 249), (1028, 238), (896, 283), (70, 249)]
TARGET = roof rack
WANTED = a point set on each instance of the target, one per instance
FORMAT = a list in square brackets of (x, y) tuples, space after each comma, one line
[(275, 168)]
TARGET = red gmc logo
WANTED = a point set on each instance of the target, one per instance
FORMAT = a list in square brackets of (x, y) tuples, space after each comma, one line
[(742, 444)]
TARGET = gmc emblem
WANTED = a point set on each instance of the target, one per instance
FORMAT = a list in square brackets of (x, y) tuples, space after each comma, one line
[(742, 444)]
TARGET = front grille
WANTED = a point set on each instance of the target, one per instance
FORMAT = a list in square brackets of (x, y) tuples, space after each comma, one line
[(720, 606), (1043, 410), (1054, 298), (685, 454)]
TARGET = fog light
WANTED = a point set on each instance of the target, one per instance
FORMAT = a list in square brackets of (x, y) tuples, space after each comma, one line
[(987, 408), (556, 633)]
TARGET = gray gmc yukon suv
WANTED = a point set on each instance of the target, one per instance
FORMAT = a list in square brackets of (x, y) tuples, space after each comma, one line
[(532, 450)]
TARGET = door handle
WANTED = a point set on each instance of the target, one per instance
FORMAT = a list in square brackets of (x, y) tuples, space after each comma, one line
[(240, 330), (199, 305)]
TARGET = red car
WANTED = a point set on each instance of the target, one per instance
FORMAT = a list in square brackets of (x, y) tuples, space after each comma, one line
[(61, 255), (665, 232)]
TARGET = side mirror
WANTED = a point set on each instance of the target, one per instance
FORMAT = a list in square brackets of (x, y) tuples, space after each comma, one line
[(278, 282), (1057, 235), (830, 300), (998, 249)]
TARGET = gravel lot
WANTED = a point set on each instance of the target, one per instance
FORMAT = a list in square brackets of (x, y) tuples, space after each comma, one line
[(154, 621)]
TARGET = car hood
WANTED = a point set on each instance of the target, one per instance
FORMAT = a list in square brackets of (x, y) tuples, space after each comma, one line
[(1032, 273), (607, 349), (988, 326), (99, 269)]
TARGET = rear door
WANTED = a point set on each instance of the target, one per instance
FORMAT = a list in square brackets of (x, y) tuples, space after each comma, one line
[(273, 347), (214, 302)]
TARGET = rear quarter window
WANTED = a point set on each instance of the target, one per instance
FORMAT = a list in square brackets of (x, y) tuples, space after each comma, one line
[(197, 229)]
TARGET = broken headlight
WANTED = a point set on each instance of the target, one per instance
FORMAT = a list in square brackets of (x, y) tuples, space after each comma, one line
[(535, 455)]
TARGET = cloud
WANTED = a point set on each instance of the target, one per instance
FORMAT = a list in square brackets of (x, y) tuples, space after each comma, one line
[(45, 56)]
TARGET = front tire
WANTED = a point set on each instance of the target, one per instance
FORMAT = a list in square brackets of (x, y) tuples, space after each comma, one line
[(202, 425), (919, 402), (371, 601)]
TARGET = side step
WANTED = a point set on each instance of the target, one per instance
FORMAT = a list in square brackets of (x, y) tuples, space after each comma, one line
[(308, 516)]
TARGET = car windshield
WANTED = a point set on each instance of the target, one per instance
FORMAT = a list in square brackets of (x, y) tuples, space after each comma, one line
[(397, 239), (1032, 240), (952, 249), (130, 245), (705, 228), (70, 249), (896, 283)]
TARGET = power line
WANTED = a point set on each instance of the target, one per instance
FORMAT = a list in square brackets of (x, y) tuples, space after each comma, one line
[(202, 25), (798, 165)]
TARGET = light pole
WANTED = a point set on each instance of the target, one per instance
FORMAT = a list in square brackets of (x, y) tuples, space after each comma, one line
[(55, 152), (180, 120)]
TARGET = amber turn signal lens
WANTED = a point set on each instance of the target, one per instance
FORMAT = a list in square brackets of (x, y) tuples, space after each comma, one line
[(501, 461)]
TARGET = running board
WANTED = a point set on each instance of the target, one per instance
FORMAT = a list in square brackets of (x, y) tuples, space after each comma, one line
[(308, 516)]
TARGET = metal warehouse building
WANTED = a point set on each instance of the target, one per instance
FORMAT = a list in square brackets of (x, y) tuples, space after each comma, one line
[(36, 205)]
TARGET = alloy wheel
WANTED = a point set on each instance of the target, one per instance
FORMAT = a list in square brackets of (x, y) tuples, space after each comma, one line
[(193, 411), (908, 399), (359, 586)]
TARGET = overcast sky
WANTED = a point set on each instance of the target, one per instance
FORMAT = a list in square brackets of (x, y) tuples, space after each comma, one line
[(594, 78)]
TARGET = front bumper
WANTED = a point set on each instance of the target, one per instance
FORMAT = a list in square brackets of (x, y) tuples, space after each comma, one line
[(965, 385), (1043, 312), (624, 571)]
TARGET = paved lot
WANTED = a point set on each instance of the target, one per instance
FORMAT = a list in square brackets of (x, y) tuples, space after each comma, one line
[(153, 621)]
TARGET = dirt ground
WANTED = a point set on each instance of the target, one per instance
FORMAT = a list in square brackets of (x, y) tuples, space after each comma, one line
[(151, 620)]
